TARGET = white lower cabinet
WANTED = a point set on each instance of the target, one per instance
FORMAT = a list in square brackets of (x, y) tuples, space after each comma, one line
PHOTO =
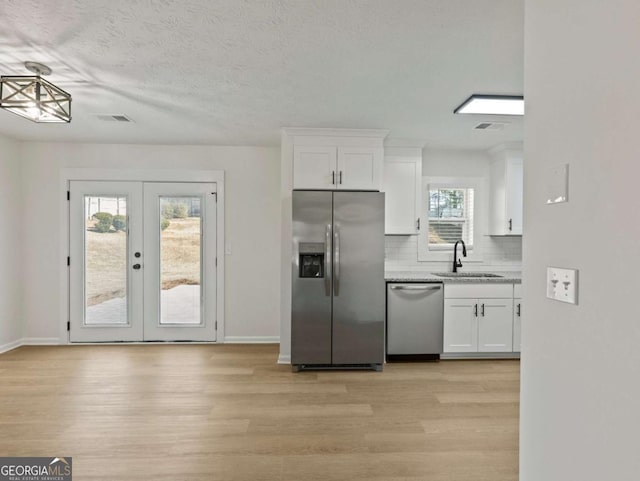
[(460, 325), (495, 325), (517, 323), (475, 322)]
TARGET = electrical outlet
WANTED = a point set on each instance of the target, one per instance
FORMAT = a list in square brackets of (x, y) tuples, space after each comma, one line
[(562, 284)]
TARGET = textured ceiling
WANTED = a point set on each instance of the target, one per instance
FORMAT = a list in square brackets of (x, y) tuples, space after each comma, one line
[(236, 71)]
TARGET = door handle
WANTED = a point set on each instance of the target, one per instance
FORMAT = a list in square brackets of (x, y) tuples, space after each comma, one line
[(340, 177), (136, 266), (518, 312), (482, 310), (333, 177), (327, 260), (416, 288), (336, 261), (510, 225), (418, 224), (475, 312)]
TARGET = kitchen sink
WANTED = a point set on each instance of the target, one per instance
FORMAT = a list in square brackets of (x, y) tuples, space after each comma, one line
[(466, 274)]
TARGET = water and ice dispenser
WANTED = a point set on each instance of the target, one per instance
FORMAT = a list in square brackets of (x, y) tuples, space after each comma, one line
[(311, 261)]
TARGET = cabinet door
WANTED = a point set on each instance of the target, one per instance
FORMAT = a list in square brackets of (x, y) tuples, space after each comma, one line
[(514, 193), (359, 168), (402, 194), (517, 323), (460, 325), (314, 167), (495, 325)]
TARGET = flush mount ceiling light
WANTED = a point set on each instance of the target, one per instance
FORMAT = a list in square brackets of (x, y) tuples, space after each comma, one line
[(492, 105), (33, 97)]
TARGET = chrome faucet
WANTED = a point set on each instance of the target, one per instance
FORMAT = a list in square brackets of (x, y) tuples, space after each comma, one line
[(456, 261)]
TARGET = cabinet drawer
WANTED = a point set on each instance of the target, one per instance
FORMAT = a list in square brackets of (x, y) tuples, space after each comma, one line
[(495, 291)]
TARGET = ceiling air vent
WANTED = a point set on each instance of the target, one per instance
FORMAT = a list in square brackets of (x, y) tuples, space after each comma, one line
[(491, 126), (114, 118)]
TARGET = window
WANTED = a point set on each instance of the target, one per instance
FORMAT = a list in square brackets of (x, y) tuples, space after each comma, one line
[(450, 217), (453, 208)]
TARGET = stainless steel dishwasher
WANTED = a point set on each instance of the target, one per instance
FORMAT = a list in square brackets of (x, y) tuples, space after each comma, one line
[(415, 314)]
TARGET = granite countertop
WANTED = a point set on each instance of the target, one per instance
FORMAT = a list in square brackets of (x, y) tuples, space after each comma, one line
[(417, 276)]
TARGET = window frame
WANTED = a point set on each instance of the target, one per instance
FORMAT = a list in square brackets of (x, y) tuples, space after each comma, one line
[(480, 206)]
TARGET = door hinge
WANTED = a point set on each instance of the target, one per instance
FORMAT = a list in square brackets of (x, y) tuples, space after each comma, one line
[(68, 326), (68, 195), (68, 261)]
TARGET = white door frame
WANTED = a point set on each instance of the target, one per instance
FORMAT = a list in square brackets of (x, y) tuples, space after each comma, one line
[(141, 175)]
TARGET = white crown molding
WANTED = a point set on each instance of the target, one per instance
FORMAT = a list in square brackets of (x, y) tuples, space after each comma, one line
[(507, 146), (324, 132)]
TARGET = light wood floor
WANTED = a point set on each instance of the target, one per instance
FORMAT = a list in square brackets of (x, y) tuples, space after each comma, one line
[(228, 412)]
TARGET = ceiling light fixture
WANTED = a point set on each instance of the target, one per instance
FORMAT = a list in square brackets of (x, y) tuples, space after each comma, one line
[(492, 105), (33, 97)]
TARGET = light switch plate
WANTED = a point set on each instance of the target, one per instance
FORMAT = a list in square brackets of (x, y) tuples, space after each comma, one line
[(562, 284), (557, 184)]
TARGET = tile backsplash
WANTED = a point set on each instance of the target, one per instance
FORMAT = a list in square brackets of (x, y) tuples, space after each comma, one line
[(500, 254)]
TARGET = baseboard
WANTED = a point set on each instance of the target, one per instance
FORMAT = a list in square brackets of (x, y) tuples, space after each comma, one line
[(10, 345), (252, 340), (284, 359), (40, 341), (479, 355)]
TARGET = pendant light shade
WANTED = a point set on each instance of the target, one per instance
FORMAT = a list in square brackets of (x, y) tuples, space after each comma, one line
[(35, 98)]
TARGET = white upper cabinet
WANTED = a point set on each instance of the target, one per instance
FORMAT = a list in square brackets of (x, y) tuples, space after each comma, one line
[(506, 191), (359, 168), (314, 167), (337, 159), (402, 187)]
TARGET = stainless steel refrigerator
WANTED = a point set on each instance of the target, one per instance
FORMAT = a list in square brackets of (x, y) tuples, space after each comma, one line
[(338, 287)]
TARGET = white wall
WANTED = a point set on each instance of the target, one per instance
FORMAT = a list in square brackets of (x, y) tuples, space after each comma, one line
[(10, 244), (580, 415), (252, 228), (499, 253)]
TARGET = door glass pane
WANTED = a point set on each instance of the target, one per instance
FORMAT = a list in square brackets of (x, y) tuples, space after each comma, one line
[(180, 259), (105, 259)]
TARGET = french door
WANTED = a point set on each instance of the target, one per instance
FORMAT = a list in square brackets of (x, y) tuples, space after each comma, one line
[(143, 261)]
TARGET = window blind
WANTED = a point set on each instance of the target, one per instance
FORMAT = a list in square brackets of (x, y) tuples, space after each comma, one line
[(450, 217)]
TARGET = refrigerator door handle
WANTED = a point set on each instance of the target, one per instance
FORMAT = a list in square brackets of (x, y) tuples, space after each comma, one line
[(336, 260), (327, 260)]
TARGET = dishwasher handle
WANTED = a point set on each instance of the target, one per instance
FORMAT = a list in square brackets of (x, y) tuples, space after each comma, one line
[(417, 288)]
